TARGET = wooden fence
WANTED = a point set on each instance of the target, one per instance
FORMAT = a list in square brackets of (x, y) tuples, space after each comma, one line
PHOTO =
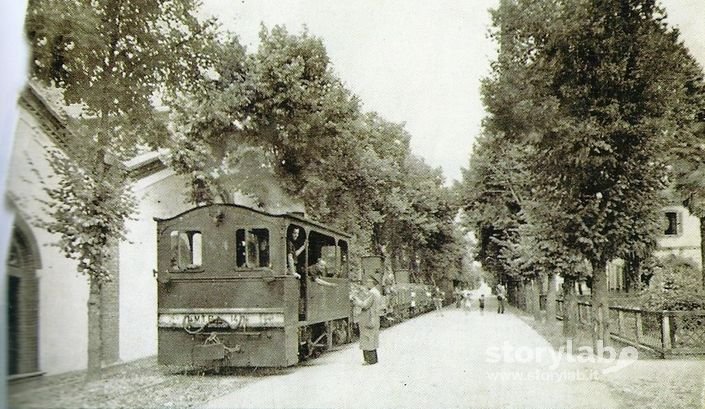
[(668, 333)]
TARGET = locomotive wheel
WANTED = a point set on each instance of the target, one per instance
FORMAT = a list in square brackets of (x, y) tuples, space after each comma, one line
[(308, 347), (304, 343)]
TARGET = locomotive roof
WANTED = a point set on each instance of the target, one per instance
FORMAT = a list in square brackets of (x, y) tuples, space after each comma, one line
[(291, 216)]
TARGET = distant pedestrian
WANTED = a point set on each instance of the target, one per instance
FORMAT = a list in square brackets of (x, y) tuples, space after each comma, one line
[(369, 320), (412, 304), (467, 301), (482, 304), (501, 295), (438, 300)]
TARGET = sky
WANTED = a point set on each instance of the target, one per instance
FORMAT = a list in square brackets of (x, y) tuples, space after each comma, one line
[(419, 62)]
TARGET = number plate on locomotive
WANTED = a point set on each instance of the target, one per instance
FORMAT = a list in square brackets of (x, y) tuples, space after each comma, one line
[(221, 320)]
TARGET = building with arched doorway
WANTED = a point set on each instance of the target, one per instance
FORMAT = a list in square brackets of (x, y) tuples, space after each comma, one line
[(47, 296), (23, 261)]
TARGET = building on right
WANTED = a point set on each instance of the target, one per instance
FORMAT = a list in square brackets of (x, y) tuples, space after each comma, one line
[(681, 235)]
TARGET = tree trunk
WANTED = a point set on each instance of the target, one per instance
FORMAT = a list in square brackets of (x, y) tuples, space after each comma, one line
[(551, 299), (702, 248), (570, 308), (600, 306), (396, 258), (632, 273), (535, 297), (101, 167), (95, 341)]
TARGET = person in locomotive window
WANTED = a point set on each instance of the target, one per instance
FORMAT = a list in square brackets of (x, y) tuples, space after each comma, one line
[(319, 270), (369, 320), (293, 252), (264, 253)]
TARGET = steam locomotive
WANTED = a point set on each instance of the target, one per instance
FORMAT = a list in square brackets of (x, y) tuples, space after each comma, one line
[(228, 296)]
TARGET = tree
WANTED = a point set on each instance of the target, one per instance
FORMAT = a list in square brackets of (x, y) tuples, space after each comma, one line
[(283, 99), (606, 81), (676, 288), (549, 253), (491, 195), (283, 109), (687, 156), (113, 58), (429, 224)]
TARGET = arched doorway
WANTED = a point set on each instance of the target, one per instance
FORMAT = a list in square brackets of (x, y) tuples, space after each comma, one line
[(23, 303)]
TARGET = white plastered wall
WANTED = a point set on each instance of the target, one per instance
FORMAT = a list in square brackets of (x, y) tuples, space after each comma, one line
[(687, 242), (63, 292), (159, 195)]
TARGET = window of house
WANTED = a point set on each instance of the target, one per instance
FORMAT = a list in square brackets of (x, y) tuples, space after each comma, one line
[(186, 250), (252, 249), (672, 224), (615, 277)]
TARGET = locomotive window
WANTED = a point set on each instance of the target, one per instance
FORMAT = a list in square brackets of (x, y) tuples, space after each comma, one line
[(252, 248), (322, 248), (186, 250)]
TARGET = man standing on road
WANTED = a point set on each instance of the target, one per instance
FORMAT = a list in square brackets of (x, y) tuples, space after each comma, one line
[(369, 320), (501, 295)]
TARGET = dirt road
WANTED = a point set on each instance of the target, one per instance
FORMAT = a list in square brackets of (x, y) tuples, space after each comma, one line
[(457, 359)]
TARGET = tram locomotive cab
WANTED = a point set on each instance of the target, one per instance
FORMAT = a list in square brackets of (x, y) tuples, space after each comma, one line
[(227, 295)]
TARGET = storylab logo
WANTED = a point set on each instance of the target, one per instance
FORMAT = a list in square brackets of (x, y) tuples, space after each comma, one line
[(609, 359)]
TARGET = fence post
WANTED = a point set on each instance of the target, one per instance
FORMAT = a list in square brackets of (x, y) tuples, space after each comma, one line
[(665, 333), (620, 322), (637, 315)]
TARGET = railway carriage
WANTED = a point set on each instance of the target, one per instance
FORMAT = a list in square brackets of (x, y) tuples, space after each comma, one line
[(402, 299), (225, 297)]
